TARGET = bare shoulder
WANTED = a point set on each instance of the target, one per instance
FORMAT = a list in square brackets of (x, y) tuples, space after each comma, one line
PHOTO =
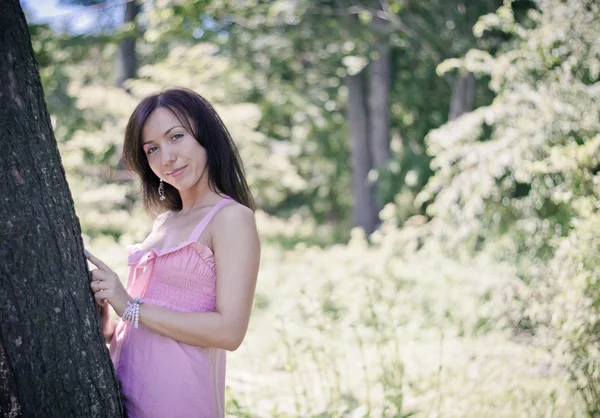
[(235, 229), (161, 217), (160, 220), (235, 215)]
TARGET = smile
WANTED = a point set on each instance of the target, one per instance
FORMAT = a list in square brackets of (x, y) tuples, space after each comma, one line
[(176, 172)]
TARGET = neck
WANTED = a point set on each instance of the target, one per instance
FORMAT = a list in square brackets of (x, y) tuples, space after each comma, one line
[(196, 197)]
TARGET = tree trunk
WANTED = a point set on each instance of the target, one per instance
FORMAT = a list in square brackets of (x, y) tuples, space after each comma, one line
[(379, 126), (53, 360), (126, 57), (463, 95), (365, 213)]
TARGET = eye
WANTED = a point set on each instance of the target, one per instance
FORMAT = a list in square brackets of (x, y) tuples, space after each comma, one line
[(150, 150), (177, 137)]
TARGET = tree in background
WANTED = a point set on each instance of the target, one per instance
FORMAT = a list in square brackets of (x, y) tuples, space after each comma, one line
[(126, 61), (125, 35), (52, 358)]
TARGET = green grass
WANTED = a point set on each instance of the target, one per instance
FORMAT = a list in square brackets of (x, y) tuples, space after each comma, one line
[(349, 331)]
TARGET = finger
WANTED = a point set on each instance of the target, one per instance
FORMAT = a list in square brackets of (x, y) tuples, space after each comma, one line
[(99, 275), (99, 286), (100, 298), (100, 305), (102, 287), (96, 261), (95, 285)]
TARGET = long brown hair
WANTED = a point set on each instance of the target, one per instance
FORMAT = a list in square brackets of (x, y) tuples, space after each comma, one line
[(225, 169)]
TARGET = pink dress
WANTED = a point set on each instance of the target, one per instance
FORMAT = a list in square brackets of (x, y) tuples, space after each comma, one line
[(159, 376)]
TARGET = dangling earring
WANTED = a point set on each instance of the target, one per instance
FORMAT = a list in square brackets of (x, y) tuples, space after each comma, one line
[(161, 190)]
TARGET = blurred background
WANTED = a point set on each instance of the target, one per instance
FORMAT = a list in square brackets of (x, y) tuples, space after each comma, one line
[(427, 177)]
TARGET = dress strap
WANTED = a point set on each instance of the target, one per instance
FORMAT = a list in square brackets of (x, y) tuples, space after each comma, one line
[(207, 218)]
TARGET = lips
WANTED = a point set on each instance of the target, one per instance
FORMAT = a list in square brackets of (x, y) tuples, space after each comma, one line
[(176, 172)]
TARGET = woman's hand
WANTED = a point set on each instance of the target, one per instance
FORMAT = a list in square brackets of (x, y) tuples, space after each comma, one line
[(107, 286)]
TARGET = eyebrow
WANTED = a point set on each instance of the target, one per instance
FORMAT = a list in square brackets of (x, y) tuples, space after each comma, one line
[(165, 134)]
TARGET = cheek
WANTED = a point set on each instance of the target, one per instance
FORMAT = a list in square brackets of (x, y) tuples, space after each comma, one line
[(153, 162), (198, 153), (201, 152)]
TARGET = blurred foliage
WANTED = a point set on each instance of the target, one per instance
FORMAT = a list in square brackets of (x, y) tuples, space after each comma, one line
[(478, 296), (520, 178)]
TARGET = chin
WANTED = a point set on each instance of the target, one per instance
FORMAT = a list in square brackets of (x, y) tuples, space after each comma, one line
[(180, 183)]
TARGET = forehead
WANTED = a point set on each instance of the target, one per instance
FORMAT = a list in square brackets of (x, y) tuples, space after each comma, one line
[(159, 121)]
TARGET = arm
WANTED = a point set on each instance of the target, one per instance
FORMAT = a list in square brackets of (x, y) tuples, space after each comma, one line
[(237, 255), (108, 330)]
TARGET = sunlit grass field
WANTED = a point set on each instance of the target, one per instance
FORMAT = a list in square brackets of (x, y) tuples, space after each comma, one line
[(372, 330)]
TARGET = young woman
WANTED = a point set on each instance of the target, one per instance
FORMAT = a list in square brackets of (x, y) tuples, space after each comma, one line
[(191, 282)]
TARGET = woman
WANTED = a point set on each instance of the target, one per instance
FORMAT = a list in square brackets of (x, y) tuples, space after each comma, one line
[(191, 282)]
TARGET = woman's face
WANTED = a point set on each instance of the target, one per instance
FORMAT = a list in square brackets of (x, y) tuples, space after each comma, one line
[(173, 153)]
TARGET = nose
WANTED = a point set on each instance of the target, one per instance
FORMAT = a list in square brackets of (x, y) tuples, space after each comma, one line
[(168, 156)]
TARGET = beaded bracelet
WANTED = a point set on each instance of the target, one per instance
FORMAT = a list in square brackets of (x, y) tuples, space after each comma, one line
[(132, 312)]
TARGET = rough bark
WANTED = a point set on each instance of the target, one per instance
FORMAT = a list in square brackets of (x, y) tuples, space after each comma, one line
[(463, 96), (379, 124), (126, 57), (53, 362), (365, 213)]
